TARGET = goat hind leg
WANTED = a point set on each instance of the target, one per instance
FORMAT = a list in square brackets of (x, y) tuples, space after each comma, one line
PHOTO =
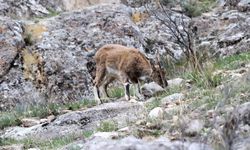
[(100, 74), (104, 86)]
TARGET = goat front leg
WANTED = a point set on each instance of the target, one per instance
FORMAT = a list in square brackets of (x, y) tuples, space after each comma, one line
[(100, 74), (138, 93), (127, 93)]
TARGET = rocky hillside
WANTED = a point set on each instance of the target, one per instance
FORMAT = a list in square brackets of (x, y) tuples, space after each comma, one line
[(46, 89)]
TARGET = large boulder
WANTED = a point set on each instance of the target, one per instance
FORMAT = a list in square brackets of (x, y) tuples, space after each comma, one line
[(241, 5), (44, 8), (70, 5), (236, 130), (136, 144), (11, 42), (158, 37), (223, 32), (22, 8), (53, 67), (69, 38)]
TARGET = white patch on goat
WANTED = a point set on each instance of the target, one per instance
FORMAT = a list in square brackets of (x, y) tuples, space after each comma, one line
[(112, 71), (126, 94), (143, 78), (98, 100)]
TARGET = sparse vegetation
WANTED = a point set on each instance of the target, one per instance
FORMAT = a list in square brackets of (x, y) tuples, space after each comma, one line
[(13, 117), (8, 119), (42, 144), (206, 79), (52, 13), (116, 92), (88, 134), (80, 104), (154, 103), (233, 62), (205, 102), (194, 8), (107, 126), (28, 39)]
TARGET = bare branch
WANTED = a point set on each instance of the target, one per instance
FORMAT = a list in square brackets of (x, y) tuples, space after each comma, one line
[(178, 29)]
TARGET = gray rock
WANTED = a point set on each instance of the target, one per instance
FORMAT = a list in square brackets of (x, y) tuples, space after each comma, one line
[(176, 82), (34, 149), (137, 144), (244, 110), (10, 42), (55, 66), (29, 122), (149, 89), (22, 8), (194, 127), (156, 114), (12, 147), (107, 135), (77, 122), (241, 144), (225, 30), (69, 5), (153, 29), (244, 5), (227, 40), (172, 98), (239, 131)]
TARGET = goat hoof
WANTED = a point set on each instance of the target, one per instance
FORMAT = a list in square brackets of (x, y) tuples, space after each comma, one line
[(133, 100), (99, 101)]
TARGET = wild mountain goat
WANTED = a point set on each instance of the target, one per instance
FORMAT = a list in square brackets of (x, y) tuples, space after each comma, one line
[(128, 65)]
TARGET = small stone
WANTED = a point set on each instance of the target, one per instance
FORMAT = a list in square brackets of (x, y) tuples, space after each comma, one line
[(175, 82), (12, 147), (29, 122), (170, 110), (148, 138), (194, 127), (210, 113), (172, 98), (154, 125), (43, 121), (125, 129), (107, 135), (175, 119), (149, 89), (51, 118), (156, 114), (220, 120), (65, 111)]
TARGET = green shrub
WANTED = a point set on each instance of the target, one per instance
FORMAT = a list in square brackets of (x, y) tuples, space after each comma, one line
[(116, 92), (80, 104), (9, 119), (233, 62), (206, 79), (194, 8), (155, 103), (191, 8), (88, 134), (107, 126)]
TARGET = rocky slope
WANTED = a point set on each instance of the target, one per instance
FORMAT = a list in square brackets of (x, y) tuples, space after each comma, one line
[(44, 48), (48, 56)]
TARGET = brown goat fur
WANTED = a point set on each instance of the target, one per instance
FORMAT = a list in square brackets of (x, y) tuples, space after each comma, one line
[(128, 65)]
